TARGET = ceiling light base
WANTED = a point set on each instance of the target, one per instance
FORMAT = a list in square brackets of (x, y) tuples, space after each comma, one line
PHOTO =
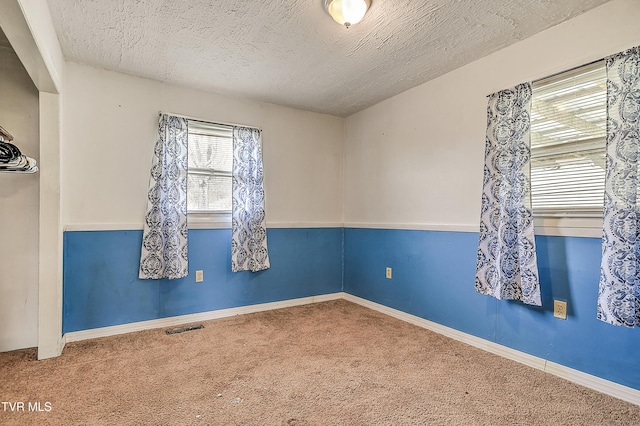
[(346, 12)]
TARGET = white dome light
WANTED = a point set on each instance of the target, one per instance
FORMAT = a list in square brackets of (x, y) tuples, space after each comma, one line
[(347, 12)]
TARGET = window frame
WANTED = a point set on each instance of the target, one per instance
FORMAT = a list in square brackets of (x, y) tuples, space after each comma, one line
[(208, 218), (574, 221)]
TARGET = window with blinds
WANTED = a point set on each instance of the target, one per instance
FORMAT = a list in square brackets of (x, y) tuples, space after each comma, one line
[(209, 173), (568, 131)]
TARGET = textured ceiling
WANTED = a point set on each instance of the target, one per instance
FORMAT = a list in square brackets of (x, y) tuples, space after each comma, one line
[(290, 52)]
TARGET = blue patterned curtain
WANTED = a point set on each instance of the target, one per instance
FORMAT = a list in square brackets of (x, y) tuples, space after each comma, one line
[(164, 241), (507, 267), (248, 226), (619, 292)]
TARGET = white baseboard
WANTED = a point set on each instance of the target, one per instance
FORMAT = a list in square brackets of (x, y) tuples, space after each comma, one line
[(596, 383), (94, 333)]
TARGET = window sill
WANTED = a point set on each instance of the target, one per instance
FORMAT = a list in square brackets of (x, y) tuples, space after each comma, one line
[(589, 227), (209, 220)]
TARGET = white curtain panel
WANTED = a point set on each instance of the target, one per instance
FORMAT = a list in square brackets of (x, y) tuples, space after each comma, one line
[(164, 241), (619, 290), (248, 226), (507, 266)]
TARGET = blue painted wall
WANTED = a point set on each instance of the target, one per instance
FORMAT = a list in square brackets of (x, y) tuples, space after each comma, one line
[(433, 278), (101, 286)]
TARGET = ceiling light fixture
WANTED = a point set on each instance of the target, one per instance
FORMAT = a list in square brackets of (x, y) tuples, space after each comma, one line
[(347, 12)]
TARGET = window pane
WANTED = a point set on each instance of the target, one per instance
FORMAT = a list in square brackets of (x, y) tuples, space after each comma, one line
[(210, 152), (563, 180), (568, 130), (208, 193)]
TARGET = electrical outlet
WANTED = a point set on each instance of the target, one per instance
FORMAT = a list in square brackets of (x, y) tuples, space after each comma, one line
[(388, 273), (199, 276), (560, 309)]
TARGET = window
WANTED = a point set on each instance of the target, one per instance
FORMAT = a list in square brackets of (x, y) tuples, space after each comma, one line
[(568, 132), (209, 173)]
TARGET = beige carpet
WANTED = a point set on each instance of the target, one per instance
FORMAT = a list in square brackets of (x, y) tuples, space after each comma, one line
[(333, 363)]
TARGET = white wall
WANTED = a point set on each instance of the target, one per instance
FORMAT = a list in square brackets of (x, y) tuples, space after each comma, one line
[(18, 209), (416, 159), (110, 122)]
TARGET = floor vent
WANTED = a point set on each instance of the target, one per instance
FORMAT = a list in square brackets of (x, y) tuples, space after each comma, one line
[(183, 329)]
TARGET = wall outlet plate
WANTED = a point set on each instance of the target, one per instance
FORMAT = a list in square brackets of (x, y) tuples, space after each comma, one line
[(560, 309), (199, 276), (388, 273)]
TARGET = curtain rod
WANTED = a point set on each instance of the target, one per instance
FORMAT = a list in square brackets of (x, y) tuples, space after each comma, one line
[(568, 70), (538, 80), (209, 121)]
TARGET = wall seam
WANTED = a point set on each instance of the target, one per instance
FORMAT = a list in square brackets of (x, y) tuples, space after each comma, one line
[(343, 262)]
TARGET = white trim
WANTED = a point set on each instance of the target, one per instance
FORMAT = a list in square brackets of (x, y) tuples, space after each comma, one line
[(50, 253), (416, 226), (569, 226), (63, 342), (71, 227), (563, 231), (596, 383), (305, 224), (542, 227), (209, 225), (209, 220), (568, 231), (102, 227), (94, 333), (29, 28)]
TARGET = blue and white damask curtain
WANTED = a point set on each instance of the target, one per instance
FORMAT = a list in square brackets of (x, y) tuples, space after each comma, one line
[(619, 290), (506, 266), (164, 241), (248, 226)]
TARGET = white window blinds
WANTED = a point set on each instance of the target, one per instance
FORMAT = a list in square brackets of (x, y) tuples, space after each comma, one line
[(210, 166), (568, 131)]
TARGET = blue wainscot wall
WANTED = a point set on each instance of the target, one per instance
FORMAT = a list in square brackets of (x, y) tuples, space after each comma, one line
[(101, 286), (433, 278)]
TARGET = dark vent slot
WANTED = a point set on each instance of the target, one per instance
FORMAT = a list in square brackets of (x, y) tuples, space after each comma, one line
[(183, 329)]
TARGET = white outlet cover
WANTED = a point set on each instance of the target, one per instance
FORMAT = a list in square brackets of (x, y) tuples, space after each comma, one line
[(560, 309)]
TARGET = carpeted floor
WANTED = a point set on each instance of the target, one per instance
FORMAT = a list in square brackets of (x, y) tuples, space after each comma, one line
[(333, 363)]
